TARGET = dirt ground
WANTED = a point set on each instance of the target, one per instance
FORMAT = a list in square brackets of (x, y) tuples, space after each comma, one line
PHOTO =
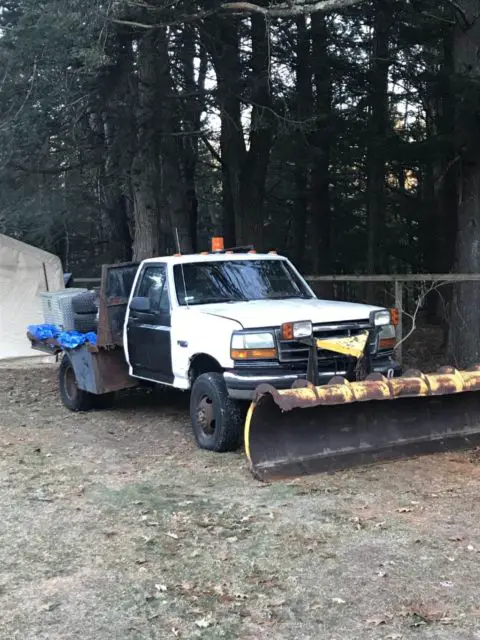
[(113, 525)]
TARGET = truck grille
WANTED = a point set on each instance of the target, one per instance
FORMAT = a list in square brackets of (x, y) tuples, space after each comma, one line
[(296, 352)]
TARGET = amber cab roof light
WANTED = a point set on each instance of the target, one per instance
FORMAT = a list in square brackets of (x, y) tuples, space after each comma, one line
[(217, 244)]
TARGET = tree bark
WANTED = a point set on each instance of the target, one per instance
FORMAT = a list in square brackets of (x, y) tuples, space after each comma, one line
[(464, 336)]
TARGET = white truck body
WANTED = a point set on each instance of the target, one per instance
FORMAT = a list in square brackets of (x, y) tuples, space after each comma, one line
[(205, 330)]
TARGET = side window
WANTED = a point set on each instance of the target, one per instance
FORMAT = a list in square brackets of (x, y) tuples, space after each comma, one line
[(154, 287)]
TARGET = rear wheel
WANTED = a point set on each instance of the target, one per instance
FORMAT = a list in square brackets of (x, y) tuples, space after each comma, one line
[(217, 420), (72, 397)]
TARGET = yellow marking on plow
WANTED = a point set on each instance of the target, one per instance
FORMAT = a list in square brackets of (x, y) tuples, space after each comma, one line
[(246, 431), (348, 346)]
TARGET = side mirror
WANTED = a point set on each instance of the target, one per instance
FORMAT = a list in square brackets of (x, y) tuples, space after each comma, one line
[(142, 305)]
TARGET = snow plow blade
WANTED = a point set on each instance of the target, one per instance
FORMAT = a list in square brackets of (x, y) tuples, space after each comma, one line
[(307, 429)]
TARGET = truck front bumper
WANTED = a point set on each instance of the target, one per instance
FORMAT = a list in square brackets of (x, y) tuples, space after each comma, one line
[(242, 382)]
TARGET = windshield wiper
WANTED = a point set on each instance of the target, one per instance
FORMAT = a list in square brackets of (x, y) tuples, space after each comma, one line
[(219, 300), (285, 296)]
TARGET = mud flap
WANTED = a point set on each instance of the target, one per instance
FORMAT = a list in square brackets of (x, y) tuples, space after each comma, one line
[(303, 431)]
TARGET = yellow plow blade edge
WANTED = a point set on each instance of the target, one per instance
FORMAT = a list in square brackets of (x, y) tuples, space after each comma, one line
[(308, 429)]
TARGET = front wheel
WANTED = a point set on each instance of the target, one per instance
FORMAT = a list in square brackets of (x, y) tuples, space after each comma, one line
[(217, 420)]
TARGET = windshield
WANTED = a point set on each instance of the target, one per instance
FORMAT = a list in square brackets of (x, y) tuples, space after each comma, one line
[(236, 281)]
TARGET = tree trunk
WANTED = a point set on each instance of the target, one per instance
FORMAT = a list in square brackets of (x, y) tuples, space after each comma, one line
[(304, 96), (464, 337), (377, 135), (440, 225), (250, 224), (145, 170), (320, 209), (243, 172), (221, 39)]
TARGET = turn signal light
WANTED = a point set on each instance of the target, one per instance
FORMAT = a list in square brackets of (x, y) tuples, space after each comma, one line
[(254, 354), (387, 343), (395, 315), (287, 331)]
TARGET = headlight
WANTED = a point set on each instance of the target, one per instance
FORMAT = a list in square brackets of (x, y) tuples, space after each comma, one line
[(252, 341), (380, 318), (297, 330), (253, 346)]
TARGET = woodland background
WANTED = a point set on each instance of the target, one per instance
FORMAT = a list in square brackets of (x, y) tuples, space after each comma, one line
[(343, 133)]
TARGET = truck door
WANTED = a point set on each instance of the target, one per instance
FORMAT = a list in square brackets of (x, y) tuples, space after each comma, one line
[(148, 327)]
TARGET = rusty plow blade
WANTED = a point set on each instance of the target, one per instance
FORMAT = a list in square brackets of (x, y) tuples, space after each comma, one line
[(308, 429)]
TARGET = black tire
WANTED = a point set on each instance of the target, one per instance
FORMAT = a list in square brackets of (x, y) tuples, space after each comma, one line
[(84, 303), (103, 401), (72, 397), (85, 322), (217, 420)]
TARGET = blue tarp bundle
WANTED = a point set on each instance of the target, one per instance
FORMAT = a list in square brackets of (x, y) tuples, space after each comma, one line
[(66, 339)]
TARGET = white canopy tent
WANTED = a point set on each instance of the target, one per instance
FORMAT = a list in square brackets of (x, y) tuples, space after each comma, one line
[(25, 272)]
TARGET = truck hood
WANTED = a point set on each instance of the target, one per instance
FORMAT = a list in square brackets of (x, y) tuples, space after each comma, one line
[(268, 313)]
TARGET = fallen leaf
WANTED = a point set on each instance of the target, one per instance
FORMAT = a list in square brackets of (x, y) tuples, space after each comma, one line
[(50, 606), (276, 602), (376, 621), (470, 547), (204, 623), (171, 535)]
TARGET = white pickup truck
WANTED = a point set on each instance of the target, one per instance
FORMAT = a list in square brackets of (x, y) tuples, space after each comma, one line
[(217, 324)]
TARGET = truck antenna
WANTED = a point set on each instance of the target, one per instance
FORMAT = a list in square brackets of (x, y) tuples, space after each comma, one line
[(179, 250)]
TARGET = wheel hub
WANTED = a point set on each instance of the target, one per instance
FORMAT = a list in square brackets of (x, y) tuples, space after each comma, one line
[(70, 383), (205, 417)]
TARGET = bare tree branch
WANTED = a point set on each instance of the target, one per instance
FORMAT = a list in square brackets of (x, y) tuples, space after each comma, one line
[(425, 290), (279, 10), (294, 8)]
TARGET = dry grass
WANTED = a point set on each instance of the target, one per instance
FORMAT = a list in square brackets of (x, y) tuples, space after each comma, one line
[(115, 526)]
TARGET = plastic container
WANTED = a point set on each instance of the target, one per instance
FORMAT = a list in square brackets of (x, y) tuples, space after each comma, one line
[(57, 307)]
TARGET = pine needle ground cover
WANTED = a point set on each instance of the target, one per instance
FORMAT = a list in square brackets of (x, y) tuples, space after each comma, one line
[(113, 525)]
